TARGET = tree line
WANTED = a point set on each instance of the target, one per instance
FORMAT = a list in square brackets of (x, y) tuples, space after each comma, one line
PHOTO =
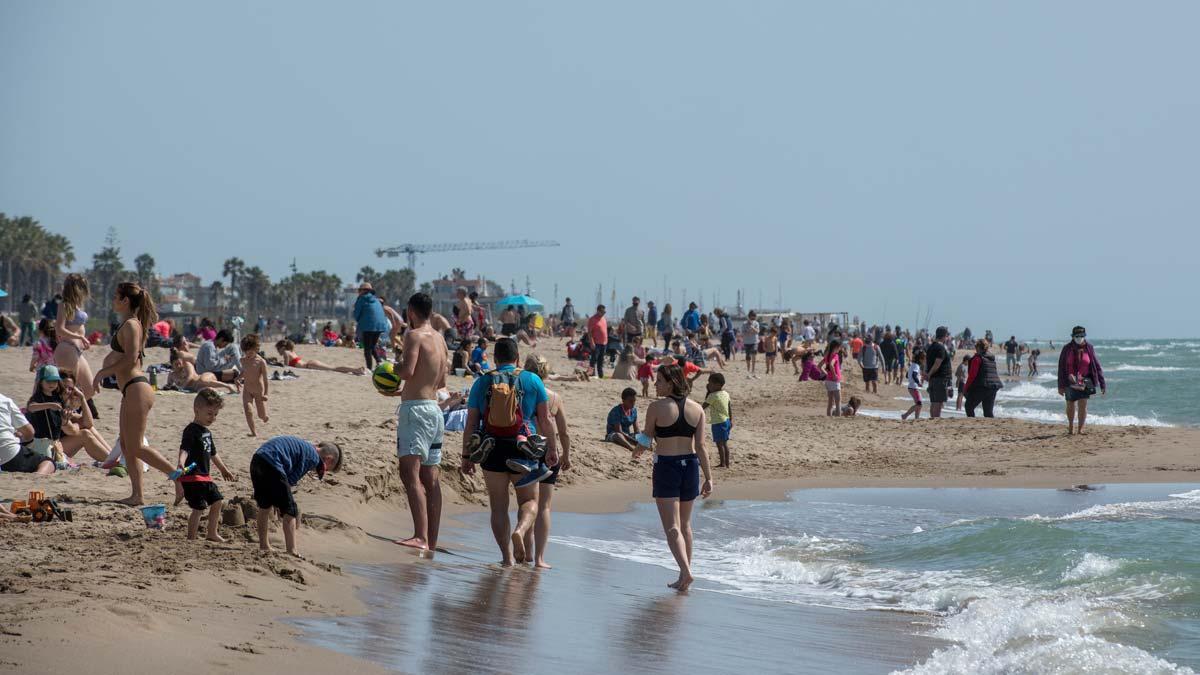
[(34, 260)]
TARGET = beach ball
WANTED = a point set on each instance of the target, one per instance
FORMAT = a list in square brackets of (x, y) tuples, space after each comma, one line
[(385, 378)]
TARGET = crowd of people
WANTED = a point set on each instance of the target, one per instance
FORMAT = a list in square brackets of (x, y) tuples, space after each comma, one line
[(515, 428)]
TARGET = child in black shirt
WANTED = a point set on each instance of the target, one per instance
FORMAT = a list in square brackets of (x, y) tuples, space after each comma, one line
[(197, 447)]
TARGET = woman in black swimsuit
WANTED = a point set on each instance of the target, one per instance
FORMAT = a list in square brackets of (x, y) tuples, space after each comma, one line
[(677, 424), (136, 310)]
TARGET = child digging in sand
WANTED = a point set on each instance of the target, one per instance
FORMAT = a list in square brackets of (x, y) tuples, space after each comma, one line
[(254, 382), (197, 448), (277, 466)]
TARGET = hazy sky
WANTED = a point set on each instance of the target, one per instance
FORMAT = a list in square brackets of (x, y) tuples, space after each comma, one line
[(1019, 166)]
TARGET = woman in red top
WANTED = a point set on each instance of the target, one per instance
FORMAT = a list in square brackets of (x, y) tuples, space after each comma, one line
[(983, 381), (1079, 374)]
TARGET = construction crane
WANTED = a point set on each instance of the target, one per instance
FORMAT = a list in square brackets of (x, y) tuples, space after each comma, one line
[(411, 250)]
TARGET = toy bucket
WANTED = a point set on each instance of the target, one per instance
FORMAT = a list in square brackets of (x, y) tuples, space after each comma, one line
[(460, 371), (155, 516)]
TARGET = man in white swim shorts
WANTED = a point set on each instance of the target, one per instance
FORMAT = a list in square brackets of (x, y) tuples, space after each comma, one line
[(419, 422)]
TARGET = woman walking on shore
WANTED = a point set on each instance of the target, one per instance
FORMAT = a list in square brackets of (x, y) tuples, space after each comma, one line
[(136, 309), (983, 381), (1079, 374), (677, 423)]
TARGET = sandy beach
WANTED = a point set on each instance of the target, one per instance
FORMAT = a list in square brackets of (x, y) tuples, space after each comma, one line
[(104, 594)]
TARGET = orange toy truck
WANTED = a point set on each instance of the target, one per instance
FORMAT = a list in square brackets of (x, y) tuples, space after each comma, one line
[(39, 509)]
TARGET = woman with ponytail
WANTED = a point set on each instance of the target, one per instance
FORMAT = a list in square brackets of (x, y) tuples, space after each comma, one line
[(136, 309)]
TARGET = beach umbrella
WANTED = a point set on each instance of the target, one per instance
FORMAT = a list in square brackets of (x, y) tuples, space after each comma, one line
[(519, 301)]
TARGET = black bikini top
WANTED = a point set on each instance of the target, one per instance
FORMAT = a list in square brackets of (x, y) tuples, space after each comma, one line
[(116, 345), (680, 427)]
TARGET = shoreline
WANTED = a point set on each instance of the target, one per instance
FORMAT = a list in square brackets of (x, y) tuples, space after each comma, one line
[(70, 587)]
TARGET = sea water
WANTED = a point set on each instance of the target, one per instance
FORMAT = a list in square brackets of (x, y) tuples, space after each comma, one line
[(830, 580), (1013, 580), (1150, 383)]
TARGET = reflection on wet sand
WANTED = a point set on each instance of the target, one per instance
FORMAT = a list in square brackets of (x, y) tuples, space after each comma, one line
[(596, 614)]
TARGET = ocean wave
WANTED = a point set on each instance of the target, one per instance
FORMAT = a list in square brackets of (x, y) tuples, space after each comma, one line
[(1179, 503), (1144, 347), (1050, 417), (1091, 566), (1030, 633), (1029, 391), (995, 626), (1129, 367), (1192, 345)]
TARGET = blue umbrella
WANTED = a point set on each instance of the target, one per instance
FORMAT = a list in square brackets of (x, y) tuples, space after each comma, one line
[(3, 293), (519, 300)]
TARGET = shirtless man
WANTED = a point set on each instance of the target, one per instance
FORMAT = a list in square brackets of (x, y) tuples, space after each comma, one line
[(466, 313), (419, 423), (255, 382), (396, 321)]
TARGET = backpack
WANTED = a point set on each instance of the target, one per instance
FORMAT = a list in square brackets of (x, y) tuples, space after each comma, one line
[(503, 417)]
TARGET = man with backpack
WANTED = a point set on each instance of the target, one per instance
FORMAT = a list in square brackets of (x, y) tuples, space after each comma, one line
[(507, 406)]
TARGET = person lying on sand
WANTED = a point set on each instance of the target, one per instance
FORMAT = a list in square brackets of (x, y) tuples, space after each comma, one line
[(184, 376), (287, 350)]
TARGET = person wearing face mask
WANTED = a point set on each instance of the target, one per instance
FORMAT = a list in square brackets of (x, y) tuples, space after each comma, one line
[(1079, 374)]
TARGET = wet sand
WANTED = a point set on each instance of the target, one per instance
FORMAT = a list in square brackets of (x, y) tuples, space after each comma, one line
[(596, 614)]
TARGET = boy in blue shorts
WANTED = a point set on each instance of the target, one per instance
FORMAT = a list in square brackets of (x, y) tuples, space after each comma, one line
[(720, 415)]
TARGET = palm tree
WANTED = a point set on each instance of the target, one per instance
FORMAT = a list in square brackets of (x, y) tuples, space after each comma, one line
[(107, 269), (255, 283), (144, 264), (235, 269), (367, 273)]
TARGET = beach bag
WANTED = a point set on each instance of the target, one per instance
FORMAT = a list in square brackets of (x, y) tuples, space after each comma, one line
[(503, 417)]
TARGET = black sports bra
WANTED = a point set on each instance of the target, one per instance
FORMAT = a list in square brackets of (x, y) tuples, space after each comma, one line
[(680, 427)]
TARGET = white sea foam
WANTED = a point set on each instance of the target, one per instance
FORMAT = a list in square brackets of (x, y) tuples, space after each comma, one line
[(1024, 632), (1028, 391), (1050, 417), (1144, 347), (1091, 566), (1134, 368), (1181, 503)]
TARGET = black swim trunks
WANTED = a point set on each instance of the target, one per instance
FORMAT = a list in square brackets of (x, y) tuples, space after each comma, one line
[(201, 494), (271, 489)]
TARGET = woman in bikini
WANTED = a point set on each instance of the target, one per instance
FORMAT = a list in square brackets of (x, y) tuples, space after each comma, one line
[(136, 309), (287, 350), (675, 424), (70, 329)]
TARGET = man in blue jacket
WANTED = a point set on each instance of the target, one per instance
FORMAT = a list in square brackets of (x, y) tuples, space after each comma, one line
[(691, 319), (370, 321)]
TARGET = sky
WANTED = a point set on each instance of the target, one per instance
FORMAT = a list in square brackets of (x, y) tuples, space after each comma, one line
[(1018, 166)]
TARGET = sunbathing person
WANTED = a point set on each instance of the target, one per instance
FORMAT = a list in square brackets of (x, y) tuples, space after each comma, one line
[(184, 376), (287, 350)]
